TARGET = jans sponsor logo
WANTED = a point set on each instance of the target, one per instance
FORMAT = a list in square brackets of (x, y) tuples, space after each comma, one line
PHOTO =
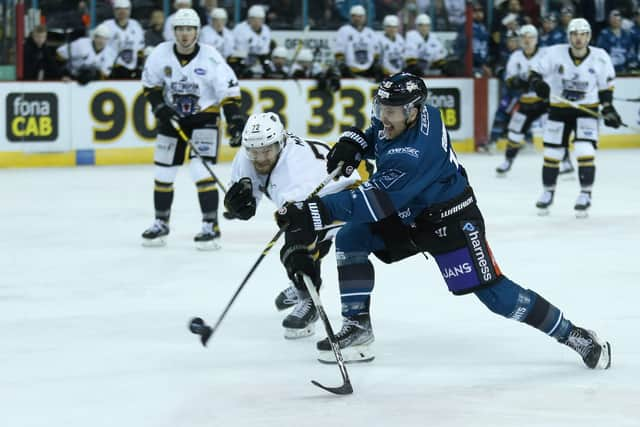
[(480, 254), (413, 152), (32, 117), (200, 71), (456, 270)]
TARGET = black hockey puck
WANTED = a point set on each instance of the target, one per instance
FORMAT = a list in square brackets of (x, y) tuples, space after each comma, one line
[(196, 325)]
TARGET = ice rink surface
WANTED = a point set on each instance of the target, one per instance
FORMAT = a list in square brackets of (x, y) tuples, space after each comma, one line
[(93, 327)]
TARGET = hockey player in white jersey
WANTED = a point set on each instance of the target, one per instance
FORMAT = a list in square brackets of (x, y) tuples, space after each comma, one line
[(127, 40), (584, 75), (253, 36), (187, 84), (283, 167), (392, 46), (217, 34), (531, 107), (425, 53), (356, 47), (168, 23), (87, 58)]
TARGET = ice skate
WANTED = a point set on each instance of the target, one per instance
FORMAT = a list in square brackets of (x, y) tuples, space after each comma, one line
[(287, 298), (301, 321), (504, 167), (355, 339), (209, 238), (595, 352), (156, 235), (543, 203), (583, 203)]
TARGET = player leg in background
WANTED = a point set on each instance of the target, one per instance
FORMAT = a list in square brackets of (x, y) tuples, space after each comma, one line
[(354, 243), (556, 142), (566, 167), (519, 124), (168, 155), (208, 198), (585, 149)]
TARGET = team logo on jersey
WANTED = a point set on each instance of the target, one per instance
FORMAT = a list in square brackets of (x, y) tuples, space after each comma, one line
[(390, 177), (200, 71), (232, 83), (167, 71), (413, 152)]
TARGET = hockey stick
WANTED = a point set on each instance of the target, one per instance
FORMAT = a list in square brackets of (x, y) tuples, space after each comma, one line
[(197, 325), (184, 136), (588, 111), (627, 99), (346, 387)]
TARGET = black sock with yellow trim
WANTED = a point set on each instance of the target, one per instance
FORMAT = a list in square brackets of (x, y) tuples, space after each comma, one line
[(162, 199), (550, 170), (586, 171), (209, 199)]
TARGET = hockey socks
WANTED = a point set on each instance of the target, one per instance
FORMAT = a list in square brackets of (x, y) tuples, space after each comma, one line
[(162, 199), (208, 198)]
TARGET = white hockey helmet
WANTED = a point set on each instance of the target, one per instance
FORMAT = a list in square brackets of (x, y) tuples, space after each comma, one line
[(528, 30), (182, 3), (423, 19), (280, 52), (391, 21), (262, 130), (122, 4), (357, 10), (101, 30), (219, 13), (305, 55), (186, 18), (578, 25), (256, 11)]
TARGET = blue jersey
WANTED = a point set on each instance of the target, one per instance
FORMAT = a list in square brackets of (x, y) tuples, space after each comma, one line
[(635, 37), (620, 48), (414, 171), (480, 44), (555, 36)]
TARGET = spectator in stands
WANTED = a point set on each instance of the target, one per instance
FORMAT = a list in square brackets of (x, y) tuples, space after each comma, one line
[(479, 44), (441, 18), (39, 60), (127, 40), (87, 58), (566, 15), (597, 13), (635, 36), (551, 34), (356, 47), (425, 53), (618, 43), (217, 34), (285, 14), (168, 24), (456, 13), (153, 36), (253, 37)]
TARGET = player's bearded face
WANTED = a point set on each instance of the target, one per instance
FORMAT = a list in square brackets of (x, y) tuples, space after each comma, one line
[(394, 119), (263, 158), (528, 42), (579, 40), (186, 36)]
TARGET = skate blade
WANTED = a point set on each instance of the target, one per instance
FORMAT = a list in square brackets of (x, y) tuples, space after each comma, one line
[(582, 214), (605, 357), (501, 174), (543, 211), (154, 243), (354, 354), (211, 245), (294, 334)]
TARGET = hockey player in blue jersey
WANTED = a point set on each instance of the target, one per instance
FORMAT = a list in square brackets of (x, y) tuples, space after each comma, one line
[(418, 200)]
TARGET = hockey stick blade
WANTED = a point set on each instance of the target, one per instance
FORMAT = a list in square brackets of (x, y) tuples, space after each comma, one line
[(344, 389), (200, 328)]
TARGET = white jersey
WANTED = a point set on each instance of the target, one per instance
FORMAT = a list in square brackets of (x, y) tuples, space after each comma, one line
[(425, 51), (223, 42), (309, 72), (126, 42), (519, 66), (81, 54), (254, 44), (360, 48), (392, 53), (580, 82), (297, 173), (197, 86)]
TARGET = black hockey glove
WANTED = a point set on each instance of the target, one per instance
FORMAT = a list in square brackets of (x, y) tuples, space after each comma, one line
[(611, 116), (239, 200), (349, 149), (300, 258), (86, 75), (306, 218), (235, 125), (166, 114), (541, 88)]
